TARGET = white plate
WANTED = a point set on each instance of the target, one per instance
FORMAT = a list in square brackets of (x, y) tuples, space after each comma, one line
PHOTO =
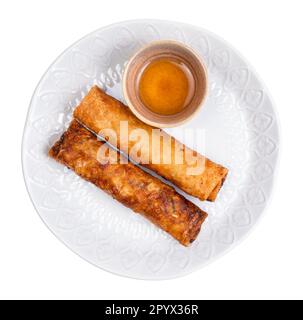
[(241, 132)]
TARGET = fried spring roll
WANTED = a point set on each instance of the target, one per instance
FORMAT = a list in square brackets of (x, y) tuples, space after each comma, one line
[(78, 149), (99, 111)]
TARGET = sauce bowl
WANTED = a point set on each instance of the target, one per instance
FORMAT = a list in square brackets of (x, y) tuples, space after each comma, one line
[(170, 50)]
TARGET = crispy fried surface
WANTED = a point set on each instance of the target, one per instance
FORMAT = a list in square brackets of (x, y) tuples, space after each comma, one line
[(99, 111), (78, 149)]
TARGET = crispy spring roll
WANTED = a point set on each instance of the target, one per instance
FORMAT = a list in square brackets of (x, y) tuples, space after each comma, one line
[(99, 111), (78, 149)]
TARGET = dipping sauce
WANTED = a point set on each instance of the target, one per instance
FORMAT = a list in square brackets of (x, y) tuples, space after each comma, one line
[(166, 86)]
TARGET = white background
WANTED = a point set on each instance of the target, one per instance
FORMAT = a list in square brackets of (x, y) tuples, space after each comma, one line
[(267, 265)]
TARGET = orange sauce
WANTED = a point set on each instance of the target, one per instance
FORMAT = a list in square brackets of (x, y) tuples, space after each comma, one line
[(166, 86)]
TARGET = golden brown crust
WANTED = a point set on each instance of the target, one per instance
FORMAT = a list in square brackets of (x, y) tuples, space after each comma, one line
[(212, 197), (161, 204), (99, 111)]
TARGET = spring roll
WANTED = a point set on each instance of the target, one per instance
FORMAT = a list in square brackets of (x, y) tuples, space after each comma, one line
[(99, 111), (79, 150)]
